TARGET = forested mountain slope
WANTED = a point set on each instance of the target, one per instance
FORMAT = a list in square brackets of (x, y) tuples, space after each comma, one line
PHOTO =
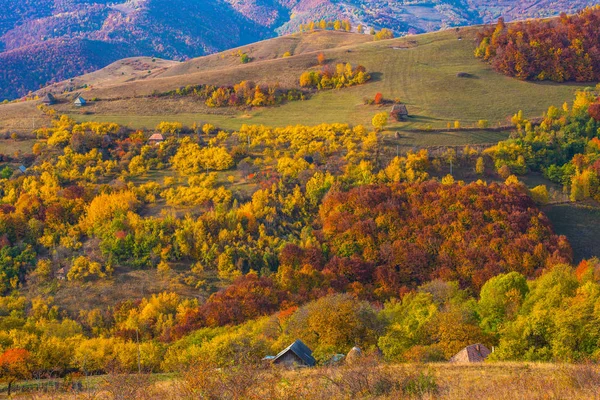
[(56, 40)]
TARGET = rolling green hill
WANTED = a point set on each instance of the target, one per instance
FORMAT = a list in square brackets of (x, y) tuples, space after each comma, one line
[(419, 70)]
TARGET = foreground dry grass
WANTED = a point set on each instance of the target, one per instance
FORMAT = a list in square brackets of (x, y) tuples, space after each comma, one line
[(366, 380)]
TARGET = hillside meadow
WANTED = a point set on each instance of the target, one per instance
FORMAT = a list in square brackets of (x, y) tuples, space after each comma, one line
[(419, 70), (156, 266)]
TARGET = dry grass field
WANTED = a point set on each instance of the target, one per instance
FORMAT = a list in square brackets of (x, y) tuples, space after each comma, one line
[(499, 381)]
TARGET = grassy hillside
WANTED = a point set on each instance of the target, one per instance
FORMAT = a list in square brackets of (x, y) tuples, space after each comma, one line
[(124, 70), (576, 222), (420, 70)]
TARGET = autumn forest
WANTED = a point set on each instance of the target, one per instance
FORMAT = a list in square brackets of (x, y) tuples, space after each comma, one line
[(156, 251)]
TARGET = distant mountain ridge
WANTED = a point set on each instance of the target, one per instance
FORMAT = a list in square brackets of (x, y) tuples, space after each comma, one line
[(44, 41)]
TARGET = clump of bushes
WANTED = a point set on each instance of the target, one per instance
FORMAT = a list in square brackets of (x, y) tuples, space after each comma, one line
[(344, 75), (245, 93)]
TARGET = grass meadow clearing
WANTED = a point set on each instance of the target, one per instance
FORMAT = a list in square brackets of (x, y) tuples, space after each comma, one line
[(422, 71)]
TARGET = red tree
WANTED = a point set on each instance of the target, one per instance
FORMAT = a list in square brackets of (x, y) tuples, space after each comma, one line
[(14, 365), (594, 111), (321, 58)]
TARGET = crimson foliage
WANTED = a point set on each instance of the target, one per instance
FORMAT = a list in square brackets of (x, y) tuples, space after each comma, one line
[(413, 233), (563, 49)]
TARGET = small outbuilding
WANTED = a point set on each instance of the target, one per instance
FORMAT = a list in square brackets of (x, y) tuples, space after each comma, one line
[(156, 139), (470, 354), (296, 354), (80, 102), (61, 274), (49, 99), (399, 112), (23, 169)]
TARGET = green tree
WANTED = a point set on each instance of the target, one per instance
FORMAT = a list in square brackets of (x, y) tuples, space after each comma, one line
[(6, 172), (407, 322), (500, 299)]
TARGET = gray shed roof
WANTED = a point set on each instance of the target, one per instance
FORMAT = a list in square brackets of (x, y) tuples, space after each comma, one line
[(49, 99), (299, 349)]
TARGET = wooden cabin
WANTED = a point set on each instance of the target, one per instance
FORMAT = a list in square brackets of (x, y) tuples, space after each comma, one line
[(49, 99), (156, 139), (296, 354), (79, 102), (470, 354), (399, 112)]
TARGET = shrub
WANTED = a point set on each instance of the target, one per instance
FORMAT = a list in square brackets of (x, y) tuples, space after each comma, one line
[(539, 194), (421, 385)]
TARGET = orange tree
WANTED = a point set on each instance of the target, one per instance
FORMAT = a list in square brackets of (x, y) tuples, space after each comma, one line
[(14, 365)]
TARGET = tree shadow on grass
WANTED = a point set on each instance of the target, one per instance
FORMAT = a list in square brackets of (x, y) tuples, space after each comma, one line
[(376, 76)]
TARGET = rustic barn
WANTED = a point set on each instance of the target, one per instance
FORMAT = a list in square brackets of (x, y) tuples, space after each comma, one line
[(399, 112), (61, 274), (79, 102), (49, 99), (473, 353), (295, 355), (156, 139)]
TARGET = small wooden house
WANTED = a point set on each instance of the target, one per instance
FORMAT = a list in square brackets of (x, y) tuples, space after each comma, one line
[(399, 112), (49, 99), (473, 353), (79, 102), (156, 139), (295, 355)]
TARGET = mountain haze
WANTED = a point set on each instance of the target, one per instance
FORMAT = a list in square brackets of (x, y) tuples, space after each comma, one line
[(45, 41)]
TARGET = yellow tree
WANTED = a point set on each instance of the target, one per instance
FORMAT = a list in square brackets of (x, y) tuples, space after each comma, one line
[(379, 121), (174, 128), (480, 166)]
